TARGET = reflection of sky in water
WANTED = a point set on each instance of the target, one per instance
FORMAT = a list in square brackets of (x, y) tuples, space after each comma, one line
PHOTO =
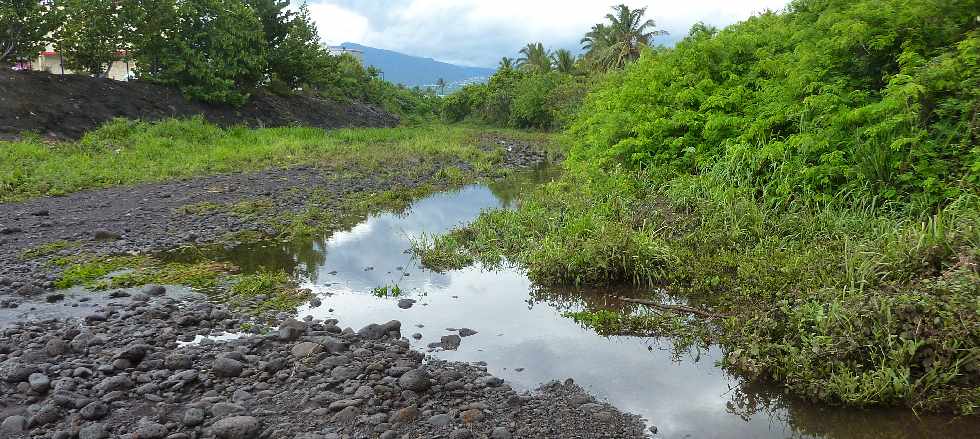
[(683, 399)]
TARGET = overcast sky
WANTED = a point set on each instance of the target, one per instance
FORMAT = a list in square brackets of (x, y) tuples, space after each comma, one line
[(479, 32)]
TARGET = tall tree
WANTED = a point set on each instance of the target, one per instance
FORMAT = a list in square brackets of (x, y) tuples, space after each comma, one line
[(534, 57), (441, 83), (299, 58), (215, 51), (148, 24), (90, 36), (629, 33), (506, 64), (564, 61), (24, 25)]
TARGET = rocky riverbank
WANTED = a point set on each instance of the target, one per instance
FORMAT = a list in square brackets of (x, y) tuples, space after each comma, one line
[(136, 368)]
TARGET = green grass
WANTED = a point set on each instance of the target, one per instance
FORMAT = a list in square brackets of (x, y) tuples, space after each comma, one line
[(277, 289), (845, 304), (127, 152), (48, 249)]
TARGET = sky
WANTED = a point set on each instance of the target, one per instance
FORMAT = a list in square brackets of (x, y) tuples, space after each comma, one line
[(480, 32)]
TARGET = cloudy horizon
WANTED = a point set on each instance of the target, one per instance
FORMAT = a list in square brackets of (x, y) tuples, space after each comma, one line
[(479, 33)]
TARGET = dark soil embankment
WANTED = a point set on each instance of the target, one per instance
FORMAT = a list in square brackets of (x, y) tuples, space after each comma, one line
[(66, 106)]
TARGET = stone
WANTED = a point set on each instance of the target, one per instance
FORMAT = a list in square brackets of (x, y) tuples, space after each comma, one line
[(440, 420), (227, 367), (134, 352), (105, 235), (461, 433), (151, 430), (40, 383), (345, 372), (489, 381), (47, 414), (407, 415), (406, 303), (93, 431), (178, 361), (450, 342), (13, 426), (466, 332), (13, 371), (225, 409), (56, 347), (94, 411), (471, 416), (118, 382), (237, 427), (291, 330), (305, 349), (54, 298), (193, 417), (500, 433), (154, 290), (416, 380)]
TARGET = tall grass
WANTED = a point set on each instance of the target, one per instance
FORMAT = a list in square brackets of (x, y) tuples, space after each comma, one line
[(129, 152)]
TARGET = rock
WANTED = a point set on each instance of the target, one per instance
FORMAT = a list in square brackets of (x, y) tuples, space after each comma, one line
[(471, 416), (94, 411), (29, 290), (105, 235), (193, 417), (407, 415), (440, 420), (417, 336), (39, 382), (154, 290), (13, 426), (500, 433), (306, 349), (653, 429), (238, 427), (225, 409), (466, 332), (93, 431), (55, 347), (118, 382), (450, 342), (134, 352), (291, 330), (227, 367), (47, 414), (373, 331), (345, 372), (416, 380), (151, 430), (406, 303), (489, 381), (54, 298), (178, 361), (461, 433), (13, 371)]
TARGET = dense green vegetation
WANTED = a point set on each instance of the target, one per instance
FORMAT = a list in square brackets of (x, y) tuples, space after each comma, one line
[(129, 152), (218, 51), (811, 175)]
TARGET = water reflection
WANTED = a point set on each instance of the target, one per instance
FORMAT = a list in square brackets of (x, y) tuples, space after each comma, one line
[(524, 338)]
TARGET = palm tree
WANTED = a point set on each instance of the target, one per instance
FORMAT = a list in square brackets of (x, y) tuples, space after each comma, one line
[(620, 41), (535, 57), (506, 64), (441, 83), (564, 61)]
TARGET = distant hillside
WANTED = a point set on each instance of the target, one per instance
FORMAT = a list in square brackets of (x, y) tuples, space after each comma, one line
[(412, 70)]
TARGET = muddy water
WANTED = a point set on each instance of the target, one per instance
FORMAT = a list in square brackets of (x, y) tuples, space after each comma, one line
[(524, 337)]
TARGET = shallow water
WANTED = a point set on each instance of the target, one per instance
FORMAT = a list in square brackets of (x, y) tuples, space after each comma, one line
[(526, 340)]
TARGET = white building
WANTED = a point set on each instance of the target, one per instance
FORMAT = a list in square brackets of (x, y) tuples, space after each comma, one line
[(51, 62), (340, 50)]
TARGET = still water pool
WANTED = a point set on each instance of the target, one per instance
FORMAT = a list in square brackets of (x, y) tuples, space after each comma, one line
[(524, 337)]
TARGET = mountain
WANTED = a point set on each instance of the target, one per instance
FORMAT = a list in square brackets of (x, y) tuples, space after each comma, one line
[(400, 68)]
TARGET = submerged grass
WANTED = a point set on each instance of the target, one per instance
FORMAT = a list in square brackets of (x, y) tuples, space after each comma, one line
[(129, 152), (857, 305)]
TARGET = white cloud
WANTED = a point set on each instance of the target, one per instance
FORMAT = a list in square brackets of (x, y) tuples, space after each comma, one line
[(479, 32)]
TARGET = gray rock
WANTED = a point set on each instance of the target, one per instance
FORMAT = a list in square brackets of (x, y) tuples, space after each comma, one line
[(489, 381), (154, 290), (93, 431), (500, 433), (134, 352), (291, 329), (466, 332), (47, 414), (151, 430), (238, 427), (345, 372), (178, 361), (306, 349), (406, 303), (40, 383), (440, 420), (416, 380), (55, 347), (13, 426), (118, 382), (227, 367), (450, 342), (461, 433), (225, 409), (13, 371), (94, 411), (193, 417)]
